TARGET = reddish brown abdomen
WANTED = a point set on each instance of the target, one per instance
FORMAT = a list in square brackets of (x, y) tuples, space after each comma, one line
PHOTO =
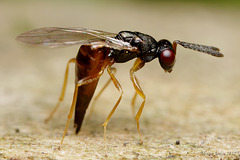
[(89, 62)]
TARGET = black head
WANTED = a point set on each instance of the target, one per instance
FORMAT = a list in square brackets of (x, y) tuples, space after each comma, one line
[(166, 54)]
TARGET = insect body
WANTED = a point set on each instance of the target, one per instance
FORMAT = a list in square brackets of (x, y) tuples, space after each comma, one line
[(99, 51)]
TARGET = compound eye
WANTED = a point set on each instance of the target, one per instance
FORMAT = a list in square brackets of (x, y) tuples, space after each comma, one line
[(168, 57)]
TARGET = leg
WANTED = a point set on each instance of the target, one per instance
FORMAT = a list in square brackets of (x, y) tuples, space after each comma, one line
[(138, 65), (133, 104), (118, 86), (100, 92), (63, 90), (81, 82)]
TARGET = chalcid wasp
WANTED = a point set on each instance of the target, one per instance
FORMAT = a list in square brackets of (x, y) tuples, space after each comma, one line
[(99, 50)]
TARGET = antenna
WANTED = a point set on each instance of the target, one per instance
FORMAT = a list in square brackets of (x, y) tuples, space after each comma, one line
[(201, 48)]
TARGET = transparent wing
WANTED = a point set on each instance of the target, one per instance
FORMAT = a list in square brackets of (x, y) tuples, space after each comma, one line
[(201, 48), (60, 37)]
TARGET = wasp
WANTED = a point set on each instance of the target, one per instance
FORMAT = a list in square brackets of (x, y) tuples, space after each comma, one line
[(99, 50)]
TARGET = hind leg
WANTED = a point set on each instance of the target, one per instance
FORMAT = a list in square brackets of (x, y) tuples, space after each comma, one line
[(62, 92), (113, 70), (118, 86), (81, 82)]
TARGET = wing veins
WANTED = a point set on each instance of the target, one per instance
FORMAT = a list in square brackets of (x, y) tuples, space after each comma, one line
[(61, 37)]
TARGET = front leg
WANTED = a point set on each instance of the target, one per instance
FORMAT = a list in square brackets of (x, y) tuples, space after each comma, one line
[(138, 65)]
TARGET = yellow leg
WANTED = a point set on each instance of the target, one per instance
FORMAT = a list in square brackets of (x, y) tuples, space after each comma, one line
[(118, 86), (100, 92), (138, 65), (62, 92), (71, 112), (81, 82), (133, 104)]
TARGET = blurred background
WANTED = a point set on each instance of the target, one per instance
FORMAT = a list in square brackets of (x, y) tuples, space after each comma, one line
[(199, 97)]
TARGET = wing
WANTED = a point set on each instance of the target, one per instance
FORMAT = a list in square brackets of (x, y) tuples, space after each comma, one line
[(61, 37), (201, 48)]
